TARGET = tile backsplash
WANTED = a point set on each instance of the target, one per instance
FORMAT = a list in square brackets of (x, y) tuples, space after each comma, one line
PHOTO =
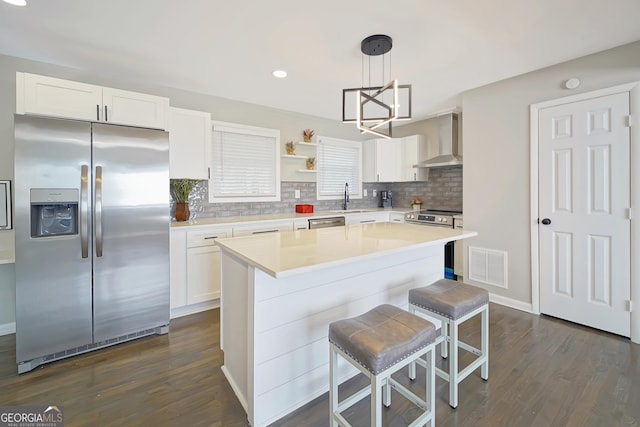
[(442, 191)]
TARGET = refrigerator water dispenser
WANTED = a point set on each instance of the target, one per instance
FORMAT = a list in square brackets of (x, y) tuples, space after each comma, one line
[(54, 212)]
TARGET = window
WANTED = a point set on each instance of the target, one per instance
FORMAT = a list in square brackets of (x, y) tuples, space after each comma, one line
[(339, 162), (245, 164)]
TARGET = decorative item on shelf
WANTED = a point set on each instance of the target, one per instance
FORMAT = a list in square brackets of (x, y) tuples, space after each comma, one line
[(180, 190), (416, 204), (307, 134), (291, 148), (311, 163)]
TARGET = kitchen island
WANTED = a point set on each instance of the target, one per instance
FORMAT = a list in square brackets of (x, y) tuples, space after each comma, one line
[(280, 291)]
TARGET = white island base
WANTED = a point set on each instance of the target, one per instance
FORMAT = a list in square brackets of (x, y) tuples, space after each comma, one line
[(274, 322)]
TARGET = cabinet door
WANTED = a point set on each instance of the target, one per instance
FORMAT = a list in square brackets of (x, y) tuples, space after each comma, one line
[(388, 156), (178, 268), (414, 149), (369, 172), (135, 109), (49, 96), (203, 274), (189, 136)]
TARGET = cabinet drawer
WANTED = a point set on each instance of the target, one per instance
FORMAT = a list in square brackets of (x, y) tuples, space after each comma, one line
[(262, 229), (206, 238)]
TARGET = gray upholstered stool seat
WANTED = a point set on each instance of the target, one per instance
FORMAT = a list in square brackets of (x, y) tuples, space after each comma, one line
[(379, 343), (453, 303), (449, 298)]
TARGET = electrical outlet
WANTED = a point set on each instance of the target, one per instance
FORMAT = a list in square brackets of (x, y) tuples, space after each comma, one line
[(375, 193), (365, 192), (297, 194)]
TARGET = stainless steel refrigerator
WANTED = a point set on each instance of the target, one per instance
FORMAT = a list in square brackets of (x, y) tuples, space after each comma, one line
[(92, 236)]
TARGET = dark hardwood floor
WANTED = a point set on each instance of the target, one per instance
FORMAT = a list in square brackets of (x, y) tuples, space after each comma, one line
[(543, 372)]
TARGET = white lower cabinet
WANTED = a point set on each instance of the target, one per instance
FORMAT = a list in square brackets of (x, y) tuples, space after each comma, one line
[(195, 269)]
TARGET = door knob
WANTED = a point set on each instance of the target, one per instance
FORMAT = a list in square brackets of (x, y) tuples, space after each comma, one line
[(546, 221)]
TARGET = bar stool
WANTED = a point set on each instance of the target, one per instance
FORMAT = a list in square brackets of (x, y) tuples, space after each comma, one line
[(379, 343), (453, 303)]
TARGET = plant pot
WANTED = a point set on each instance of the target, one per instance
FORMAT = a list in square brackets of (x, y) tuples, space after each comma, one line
[(182, 211), (416, 207), (310, 165), (307, 138), (291, 151)]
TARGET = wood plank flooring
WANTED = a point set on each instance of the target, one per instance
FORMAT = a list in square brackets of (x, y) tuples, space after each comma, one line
[(543, 372)]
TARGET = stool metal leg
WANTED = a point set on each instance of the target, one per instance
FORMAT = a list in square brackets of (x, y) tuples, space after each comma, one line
[(484, 346), (443, 331), (430, 396), (412, 365), (333, 385), (376, 401), (453, 365)]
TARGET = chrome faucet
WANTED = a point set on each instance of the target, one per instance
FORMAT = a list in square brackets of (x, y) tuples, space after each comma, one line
[(346, 196)]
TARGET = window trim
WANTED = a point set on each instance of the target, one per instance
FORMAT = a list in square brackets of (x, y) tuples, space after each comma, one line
[(246, 130)]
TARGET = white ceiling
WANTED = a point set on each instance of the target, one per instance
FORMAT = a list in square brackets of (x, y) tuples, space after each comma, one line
[(230, 48)]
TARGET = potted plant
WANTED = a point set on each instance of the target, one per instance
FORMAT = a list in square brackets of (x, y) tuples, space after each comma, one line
[(416, 204), (291, 148), (180, 190), (311, 163), (307, 134)]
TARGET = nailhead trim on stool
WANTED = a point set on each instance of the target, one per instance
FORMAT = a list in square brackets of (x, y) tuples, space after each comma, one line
[(453, 303), (379, 343)]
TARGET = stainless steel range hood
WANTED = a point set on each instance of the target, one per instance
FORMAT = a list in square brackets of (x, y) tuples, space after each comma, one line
[(448, 140)]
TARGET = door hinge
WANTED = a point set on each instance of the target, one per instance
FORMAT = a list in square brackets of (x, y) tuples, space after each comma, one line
[(629, 213), (629, 306), (629, 121)]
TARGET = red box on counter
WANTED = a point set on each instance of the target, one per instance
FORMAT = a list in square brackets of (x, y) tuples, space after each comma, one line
[(304, 208)]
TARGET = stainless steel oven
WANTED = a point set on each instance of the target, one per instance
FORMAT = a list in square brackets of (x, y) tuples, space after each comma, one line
[(435, 218)]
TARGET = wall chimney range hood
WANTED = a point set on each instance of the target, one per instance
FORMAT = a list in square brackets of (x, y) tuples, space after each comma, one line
[(448, 144)]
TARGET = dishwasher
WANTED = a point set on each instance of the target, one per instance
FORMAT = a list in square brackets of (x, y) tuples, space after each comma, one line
[(335, 221)]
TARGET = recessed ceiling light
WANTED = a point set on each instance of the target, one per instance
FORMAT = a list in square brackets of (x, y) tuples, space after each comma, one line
[(281, 74), (16, 2)]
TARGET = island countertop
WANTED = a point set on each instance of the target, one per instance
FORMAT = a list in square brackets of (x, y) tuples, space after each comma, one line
[(288, 253)]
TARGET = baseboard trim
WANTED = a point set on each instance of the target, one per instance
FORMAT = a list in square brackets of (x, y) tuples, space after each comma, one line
[(512, 303), (8, 328), (194, 308)]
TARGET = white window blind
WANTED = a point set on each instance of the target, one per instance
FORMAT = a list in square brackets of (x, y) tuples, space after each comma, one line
[(245, 164), (339, 162)]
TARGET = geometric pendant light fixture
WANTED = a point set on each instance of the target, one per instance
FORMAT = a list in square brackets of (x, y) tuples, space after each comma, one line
[(374, 108)]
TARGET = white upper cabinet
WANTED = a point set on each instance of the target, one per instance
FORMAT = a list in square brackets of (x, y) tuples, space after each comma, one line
[(392, 160), (189, 137), (414, 149), (381, 158), (49, 96)]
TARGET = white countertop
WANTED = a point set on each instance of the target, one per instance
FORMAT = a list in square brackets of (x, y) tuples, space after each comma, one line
[(293, 252), (199, 222)]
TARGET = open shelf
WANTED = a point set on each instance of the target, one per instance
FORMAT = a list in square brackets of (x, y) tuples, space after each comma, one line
[(294, 156), (307, 170)]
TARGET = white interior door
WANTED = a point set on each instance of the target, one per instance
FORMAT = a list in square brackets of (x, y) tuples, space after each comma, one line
[(584, 197)]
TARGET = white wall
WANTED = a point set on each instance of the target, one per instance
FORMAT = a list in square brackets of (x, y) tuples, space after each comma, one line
[(496, 147)]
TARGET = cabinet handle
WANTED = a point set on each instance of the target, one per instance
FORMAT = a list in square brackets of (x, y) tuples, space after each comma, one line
[(106, 117), (210, 237), (378, 179), (97, 112), (415, 176), (364, 221), (265, 231)]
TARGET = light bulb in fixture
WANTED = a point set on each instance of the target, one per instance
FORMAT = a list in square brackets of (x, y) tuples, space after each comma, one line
[(281, 74), (16, 2)]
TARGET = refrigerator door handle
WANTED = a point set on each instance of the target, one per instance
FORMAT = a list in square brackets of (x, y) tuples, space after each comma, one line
[(84, 210), (98, 211)]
